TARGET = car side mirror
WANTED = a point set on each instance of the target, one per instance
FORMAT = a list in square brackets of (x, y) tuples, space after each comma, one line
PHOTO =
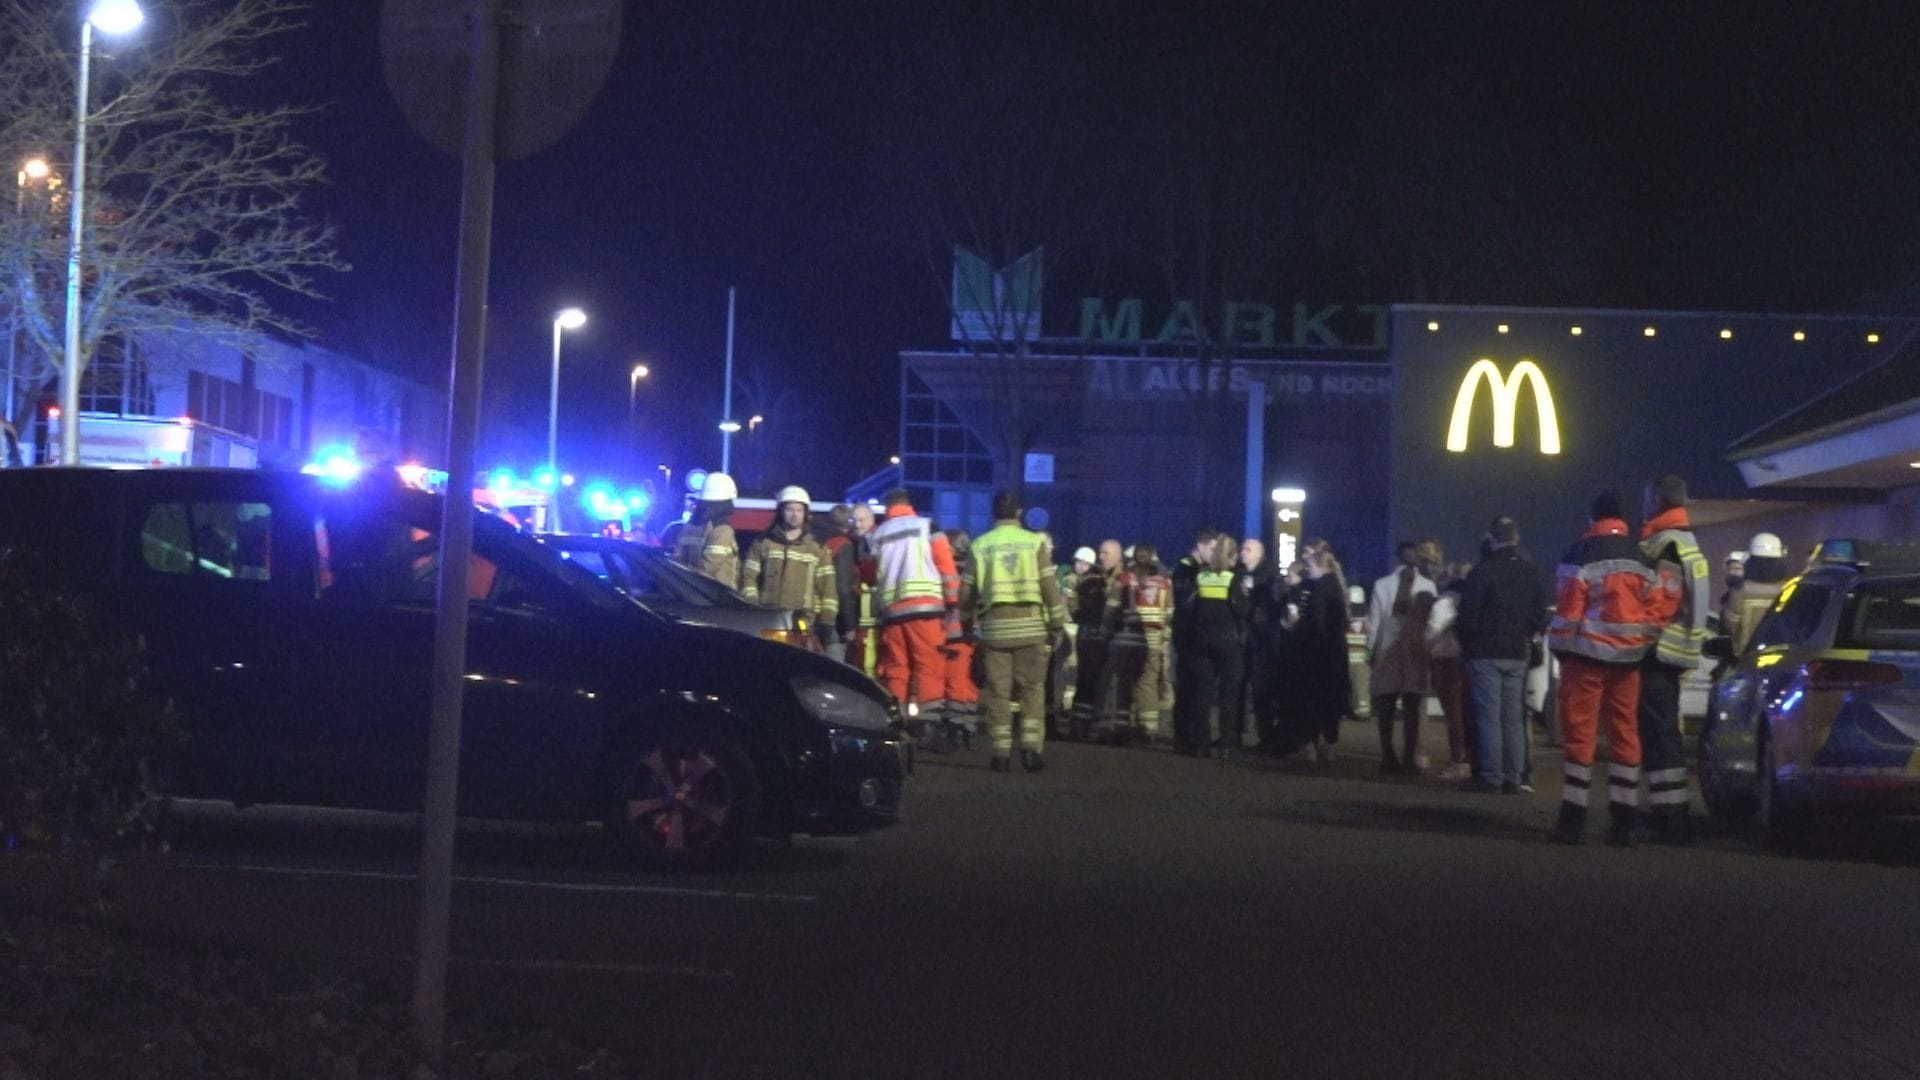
[(1720, 648)]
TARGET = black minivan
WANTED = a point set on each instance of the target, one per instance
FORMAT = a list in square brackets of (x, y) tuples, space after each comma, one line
[(291, 622)]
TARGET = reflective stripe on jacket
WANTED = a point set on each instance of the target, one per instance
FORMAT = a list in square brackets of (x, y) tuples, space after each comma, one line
[(796, 575), (1140, 606), (1603, 598), (1682, 598), (712, 550), (914, 574), (1016, 597)]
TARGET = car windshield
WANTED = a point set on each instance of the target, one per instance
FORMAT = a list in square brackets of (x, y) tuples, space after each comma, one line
[(682, 583), (1882, 615)]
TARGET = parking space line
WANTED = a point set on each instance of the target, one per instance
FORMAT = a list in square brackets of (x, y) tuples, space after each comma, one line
[(575, 966), (520, 883)]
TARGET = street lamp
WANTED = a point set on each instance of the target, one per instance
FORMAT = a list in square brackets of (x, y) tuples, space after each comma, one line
[(755, 422), (731, 427), (113, 17), (32, 171), (567, 319), (639, 372)]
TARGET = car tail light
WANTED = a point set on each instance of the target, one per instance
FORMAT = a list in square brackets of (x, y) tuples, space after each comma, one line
[(1849, 674)]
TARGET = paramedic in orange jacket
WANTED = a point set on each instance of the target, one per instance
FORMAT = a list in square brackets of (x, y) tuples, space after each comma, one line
[(915, 585)]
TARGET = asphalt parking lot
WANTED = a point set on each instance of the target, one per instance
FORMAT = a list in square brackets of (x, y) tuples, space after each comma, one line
[(1129, 912)]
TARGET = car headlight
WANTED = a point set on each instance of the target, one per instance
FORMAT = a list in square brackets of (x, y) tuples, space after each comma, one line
[(838, 705)]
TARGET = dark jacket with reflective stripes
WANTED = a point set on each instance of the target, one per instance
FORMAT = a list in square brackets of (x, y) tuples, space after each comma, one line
[(1603, 598)]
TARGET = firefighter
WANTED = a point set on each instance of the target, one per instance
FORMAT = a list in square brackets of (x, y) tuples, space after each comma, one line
[(914, 584), (1601, 632), (1139, 607), (1679, 607), (1090, 692), (787, 568), (1018, 617), (1764, 575), (962, 693), (1191, 667), (707, 543)]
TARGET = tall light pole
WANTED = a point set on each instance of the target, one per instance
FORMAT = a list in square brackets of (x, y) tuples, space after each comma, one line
[(569, 319), (639, 372), (112, 17), (32, 171)]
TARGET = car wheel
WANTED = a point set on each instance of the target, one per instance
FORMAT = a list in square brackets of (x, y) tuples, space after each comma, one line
[(1724, 800), (1783, 825), (689, 799)]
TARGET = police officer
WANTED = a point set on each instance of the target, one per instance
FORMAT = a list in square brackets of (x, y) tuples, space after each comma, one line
[(1191, 669), (1678, 608), (1017, 616)]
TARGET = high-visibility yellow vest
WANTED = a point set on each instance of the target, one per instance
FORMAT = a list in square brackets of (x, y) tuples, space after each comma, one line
[(1683, 638), (1006, 563), (1215, 584)]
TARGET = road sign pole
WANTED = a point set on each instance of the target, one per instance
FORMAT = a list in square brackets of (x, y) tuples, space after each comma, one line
[(456, 526)]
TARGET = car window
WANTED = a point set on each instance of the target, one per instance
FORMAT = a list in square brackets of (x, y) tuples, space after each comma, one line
[(1882, 616), (232, 540), (588, 560), (388, 561), (1796, 617)]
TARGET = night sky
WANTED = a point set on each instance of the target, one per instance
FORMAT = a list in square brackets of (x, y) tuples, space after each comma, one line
[(1698, 156)]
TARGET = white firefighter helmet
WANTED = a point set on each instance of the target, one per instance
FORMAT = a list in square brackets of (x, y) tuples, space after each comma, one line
[(1766, 546), (718, 488), (1085, 555), (792, 493), (1356, 595)]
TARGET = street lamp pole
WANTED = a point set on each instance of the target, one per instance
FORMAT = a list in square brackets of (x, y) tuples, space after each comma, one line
[(115, 16), (30, 170), (569, 319), (633, 386)]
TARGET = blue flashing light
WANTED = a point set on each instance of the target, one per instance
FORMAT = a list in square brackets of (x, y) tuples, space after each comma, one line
[(637, 501), (546, 479), (501, 480), (335, 465), (605, 505)]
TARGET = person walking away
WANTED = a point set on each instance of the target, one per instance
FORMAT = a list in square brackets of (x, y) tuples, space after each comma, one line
[(844, 556), (1091, 697), (1601, 632), (1503, 605), (1215, 656), (1449, 670), (962, 691), (706, 542), (1189, 667), (1139, 610), (1766, 574), (1018, 615), (1320, 643), (1266, 610), (1397, 656), (788, 569), (915, 582), (1679, 614)]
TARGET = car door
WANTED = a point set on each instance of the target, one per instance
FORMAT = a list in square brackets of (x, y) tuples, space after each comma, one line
[(1771, 659), (205, 574)]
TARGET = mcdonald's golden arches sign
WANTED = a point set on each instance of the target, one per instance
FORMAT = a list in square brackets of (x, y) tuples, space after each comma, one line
[(1504, 390)]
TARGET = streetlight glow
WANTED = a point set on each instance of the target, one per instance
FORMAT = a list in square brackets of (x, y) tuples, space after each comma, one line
[(116, 16), (36, 169), (640, 371), (730, 426), (571, 319)]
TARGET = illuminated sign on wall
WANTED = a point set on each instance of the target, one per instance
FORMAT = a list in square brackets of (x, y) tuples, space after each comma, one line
[(1505, 391)]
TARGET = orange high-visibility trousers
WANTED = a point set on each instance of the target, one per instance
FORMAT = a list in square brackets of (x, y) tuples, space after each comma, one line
[(961, 689), (1593, 694), (912, 666)]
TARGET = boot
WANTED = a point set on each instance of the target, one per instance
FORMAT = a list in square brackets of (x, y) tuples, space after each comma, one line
[(1031, 760), (1671, 825), (1620, 825), (1571, 829)]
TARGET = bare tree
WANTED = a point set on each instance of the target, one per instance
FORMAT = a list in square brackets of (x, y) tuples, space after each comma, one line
[(194, 202), (988, 176), (777, 450)]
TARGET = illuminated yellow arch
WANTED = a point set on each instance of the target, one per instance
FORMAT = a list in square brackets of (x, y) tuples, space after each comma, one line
[(1505, 391)]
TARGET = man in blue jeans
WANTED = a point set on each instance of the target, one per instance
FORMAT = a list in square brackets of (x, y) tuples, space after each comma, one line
[(1504, 605)]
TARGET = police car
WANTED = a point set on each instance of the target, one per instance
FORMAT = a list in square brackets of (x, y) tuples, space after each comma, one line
[(1821, 713)]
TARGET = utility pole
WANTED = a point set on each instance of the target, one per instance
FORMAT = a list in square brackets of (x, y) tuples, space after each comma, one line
[(727, 426)]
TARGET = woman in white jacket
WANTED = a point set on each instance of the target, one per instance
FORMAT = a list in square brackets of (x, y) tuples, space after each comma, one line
[(1397, 651)]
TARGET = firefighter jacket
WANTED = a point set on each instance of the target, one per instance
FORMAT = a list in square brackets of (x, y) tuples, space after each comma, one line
[(710, 549), (1682, 597), (1016, 597), (959, 619), (1603, 598), (1139, 606), (1745, 608), (794, 574), (914, 575)]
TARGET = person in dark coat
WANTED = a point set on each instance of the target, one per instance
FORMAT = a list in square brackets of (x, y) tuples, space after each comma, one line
[(1267, 610), (1324, 684)]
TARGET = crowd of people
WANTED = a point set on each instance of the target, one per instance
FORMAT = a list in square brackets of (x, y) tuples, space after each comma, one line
[(970, 632)]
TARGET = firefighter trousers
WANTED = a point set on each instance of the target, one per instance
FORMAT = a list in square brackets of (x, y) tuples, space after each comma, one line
[(1664, 752), (912, 664), (1016, 674), (1593, 694)]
